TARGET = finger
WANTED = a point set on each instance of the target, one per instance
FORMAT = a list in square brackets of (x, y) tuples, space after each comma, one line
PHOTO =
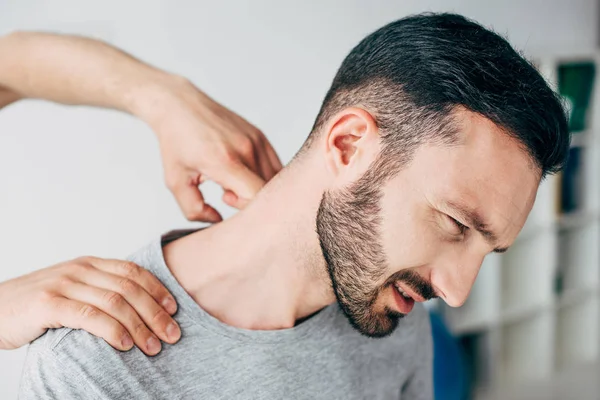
[(263, 169), (190, 200), (139, 275), (114, 305), (153, 315), (234, 201), (247, 155), (267, 170), (239, 179), (273, 157), (77, 315)]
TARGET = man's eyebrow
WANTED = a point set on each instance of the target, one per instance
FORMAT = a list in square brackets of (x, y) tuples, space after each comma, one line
[(476, 221)]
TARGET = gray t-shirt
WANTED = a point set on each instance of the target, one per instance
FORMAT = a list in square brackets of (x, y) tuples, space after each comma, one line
[(321, 358)]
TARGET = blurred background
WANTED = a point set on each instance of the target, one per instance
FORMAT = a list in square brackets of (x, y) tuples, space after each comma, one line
[(79, 181)]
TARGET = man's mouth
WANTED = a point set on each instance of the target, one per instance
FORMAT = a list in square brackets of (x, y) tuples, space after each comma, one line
[(404, 301), (402, 292), (408, 292)]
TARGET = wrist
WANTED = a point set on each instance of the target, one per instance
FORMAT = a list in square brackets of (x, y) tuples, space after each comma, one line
[(152, 100)]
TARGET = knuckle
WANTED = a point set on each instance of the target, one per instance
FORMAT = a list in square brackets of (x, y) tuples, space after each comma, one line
[(83, 260), (257, 135), (159, 316), (170, 182), (117, 332), (128, 287), (247, 146), (87, 311), (139, 329), (113, 300), (130, 270), (63, 281), (79, 268), (226, 156), (195, 211), (192, 215), (46, 296)]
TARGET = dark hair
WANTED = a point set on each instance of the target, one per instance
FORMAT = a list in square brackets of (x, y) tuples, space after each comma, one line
[(412, 73)]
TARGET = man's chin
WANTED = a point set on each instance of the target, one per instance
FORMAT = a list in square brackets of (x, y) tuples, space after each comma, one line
[(376, 325)]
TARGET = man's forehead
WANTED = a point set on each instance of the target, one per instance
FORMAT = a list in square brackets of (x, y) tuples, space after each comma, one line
[(499, 202), (486, 171)]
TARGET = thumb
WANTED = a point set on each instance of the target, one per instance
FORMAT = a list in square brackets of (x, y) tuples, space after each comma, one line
[(238, 180), (190, 200), (232, 200)]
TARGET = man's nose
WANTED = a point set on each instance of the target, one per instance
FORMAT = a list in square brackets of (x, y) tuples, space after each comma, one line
[(455, 278)]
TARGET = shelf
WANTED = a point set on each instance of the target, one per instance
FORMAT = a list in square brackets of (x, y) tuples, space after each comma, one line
[(518, 314), (533, 229), (592, 176), (481, 308), (527, 273), (579, 382), (481, 349), (579, 257), (527, 350), (543, 215), (576, 219), (563, 222), (567, 55), (534, 318), (577, 332), (574, 296), (581, 139)]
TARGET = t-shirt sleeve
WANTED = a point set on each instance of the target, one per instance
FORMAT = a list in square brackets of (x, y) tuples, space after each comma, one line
[(74, 364), (46, 377), (420, 384)]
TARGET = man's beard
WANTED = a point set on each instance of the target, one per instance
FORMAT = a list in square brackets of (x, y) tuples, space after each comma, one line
[(348, 226)]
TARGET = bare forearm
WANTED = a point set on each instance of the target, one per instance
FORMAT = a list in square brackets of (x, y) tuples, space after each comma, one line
[(73, 70)]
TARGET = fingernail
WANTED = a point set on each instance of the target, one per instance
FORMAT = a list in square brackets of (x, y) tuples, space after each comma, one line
[(153, 345), (169, 305), (127, 342), (173, 331)]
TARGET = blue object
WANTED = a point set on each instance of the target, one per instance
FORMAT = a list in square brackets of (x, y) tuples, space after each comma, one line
[(449, 369)]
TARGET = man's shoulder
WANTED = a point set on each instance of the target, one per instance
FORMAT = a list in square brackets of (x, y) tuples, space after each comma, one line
[(76, 364), (71, 346), (49, 345), (80, 345), (52, 365)]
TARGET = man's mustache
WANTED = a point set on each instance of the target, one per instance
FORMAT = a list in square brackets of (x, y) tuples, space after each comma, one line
[(417, 283)]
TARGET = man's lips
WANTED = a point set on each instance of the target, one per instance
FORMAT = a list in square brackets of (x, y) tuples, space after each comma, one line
[(410, 292), (404, 304)]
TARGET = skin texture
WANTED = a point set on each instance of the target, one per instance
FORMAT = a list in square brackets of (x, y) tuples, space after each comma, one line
[(410, 233), (280, 274), (116, 300), (199, 140)]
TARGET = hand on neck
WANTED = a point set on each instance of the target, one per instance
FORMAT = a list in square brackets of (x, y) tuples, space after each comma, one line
[(263, 268)]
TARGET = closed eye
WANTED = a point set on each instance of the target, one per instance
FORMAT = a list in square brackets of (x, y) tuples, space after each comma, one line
[(461, 227)]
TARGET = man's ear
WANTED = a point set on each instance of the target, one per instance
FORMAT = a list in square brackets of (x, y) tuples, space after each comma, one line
[(351, 143)]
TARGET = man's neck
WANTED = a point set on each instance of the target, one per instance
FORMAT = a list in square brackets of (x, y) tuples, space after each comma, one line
[(263, 268)]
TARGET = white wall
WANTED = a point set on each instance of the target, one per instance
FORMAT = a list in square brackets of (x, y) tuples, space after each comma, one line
[(77, 181)]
